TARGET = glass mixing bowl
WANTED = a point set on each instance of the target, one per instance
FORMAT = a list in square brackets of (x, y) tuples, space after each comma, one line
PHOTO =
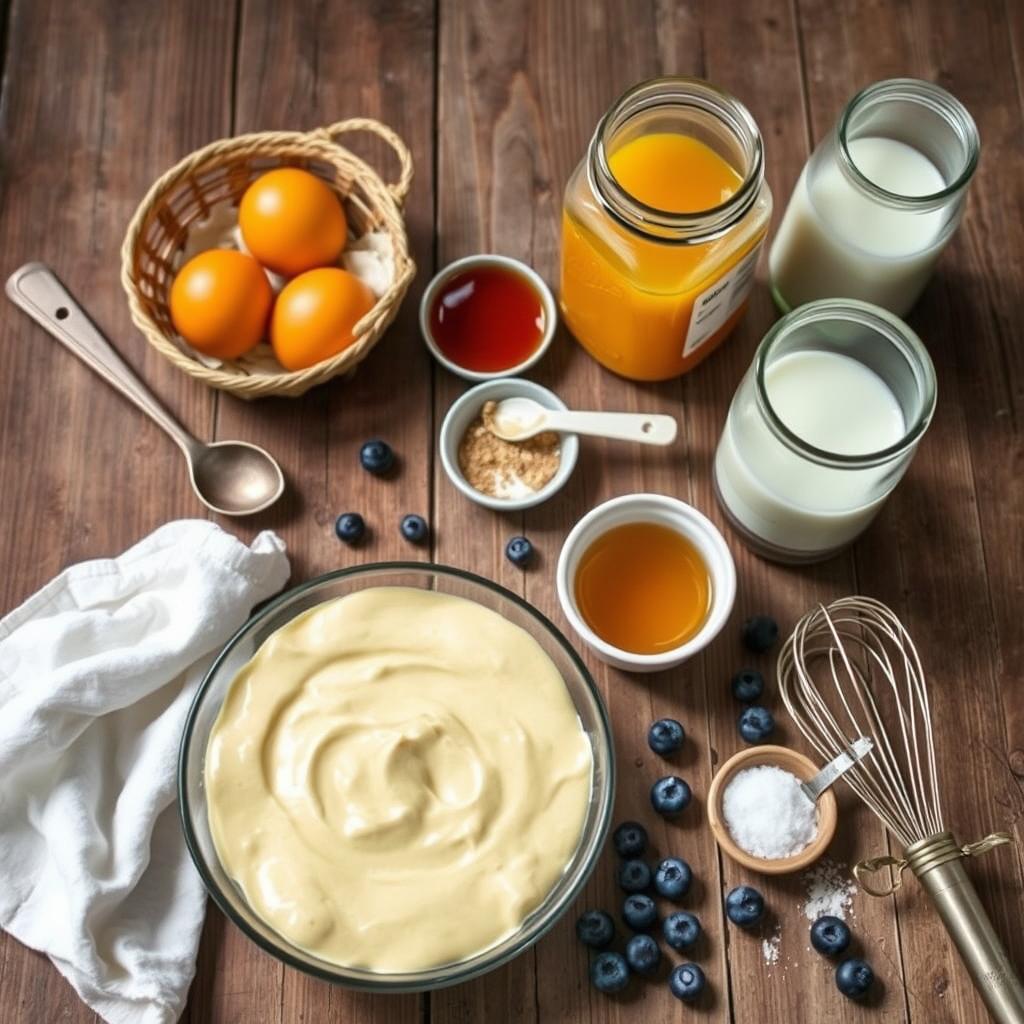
[(245, 643)]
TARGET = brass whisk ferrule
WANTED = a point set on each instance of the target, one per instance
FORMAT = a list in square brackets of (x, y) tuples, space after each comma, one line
[(938, 862)]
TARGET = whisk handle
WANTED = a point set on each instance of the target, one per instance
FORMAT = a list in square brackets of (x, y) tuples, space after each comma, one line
[(968, 924)]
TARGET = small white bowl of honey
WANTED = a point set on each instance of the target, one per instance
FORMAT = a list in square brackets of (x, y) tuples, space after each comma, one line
[(646, 581)]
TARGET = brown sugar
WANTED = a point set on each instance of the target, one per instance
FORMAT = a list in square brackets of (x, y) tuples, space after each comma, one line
[(506, 469)]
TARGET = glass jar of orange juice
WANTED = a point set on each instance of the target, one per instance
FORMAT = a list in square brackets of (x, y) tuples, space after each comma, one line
[(662, 225)]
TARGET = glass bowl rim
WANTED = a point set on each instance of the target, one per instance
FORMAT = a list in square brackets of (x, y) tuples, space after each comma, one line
[(413, 981)]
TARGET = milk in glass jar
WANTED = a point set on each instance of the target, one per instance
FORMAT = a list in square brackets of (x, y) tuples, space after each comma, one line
[(878, 200)]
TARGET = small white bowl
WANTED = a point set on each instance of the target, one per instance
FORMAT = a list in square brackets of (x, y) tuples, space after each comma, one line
[(665, 511), (484, 260), (466, 409)]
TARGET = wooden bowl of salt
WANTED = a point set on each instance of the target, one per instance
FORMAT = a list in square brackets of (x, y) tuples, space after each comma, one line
[(760, 817)]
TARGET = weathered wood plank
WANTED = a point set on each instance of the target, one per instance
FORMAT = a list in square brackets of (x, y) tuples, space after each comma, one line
[(99, 98), (799, 986), (947, 553), (303, 65), (615, 48)]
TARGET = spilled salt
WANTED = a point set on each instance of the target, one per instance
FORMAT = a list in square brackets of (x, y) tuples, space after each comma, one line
[(768, 814), (770, 948), (830, 890)]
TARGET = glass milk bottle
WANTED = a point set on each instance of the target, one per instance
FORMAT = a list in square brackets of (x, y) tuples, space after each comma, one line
[(878, 200), (822, 428)]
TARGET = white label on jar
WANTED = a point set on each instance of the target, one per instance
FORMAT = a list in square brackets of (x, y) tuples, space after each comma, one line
[(716, 304)]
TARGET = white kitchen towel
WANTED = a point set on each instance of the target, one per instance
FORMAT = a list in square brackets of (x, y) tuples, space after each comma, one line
[(97, 672)]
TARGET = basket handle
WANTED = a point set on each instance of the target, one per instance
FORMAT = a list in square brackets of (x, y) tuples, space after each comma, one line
[(398, 189)]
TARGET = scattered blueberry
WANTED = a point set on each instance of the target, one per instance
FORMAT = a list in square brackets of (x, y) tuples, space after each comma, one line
[(630, 839), (681, 929), (665, 736), (747, 685), (756, 724), (376, 456), (744, 906), (609, 972), (350, 527), (642, 954), (854, 978), (670, 795), (760, 633), (519, 551), (634, 876), (639, 911), (595, 929), (672, 878), (686, 982), (415, 529), (830, 936)]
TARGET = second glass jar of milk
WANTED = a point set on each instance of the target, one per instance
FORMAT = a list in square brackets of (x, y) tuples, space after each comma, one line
[(878, 200), (822, 428)]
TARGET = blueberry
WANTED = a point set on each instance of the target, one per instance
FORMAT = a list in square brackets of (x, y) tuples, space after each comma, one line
[(681, 930), (349, 527), (854, 978), (756, 724), (634, 876), (596, 929), (519, 551), (760, 633), (415, 529), (830, 936), (639, 911), (744, 906), (670, 795), (376, 456), (747, 685), (672, 878), (630, 839), (609, 972), (665, 736), (642, 954), (686, 982)]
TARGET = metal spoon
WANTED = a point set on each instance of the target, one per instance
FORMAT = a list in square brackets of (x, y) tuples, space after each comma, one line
[(516, 419), (230, 477), (839, 765)]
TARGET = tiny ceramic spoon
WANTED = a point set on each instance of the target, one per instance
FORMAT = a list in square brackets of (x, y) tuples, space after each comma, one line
[(516, 419)]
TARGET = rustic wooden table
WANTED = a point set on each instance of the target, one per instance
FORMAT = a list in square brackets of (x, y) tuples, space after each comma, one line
[(497, 101)]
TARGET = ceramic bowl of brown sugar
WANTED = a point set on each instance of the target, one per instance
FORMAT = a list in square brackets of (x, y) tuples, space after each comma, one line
[(507, 476)]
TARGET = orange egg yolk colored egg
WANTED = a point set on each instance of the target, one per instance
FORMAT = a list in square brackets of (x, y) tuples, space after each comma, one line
[(292, 222), (220, 302), (314, 316)]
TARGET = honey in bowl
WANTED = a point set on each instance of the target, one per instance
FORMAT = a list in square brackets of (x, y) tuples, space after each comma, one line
[(643, 588), (488, 319)]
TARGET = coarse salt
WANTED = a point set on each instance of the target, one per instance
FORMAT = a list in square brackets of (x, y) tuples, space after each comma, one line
[(768, 814)]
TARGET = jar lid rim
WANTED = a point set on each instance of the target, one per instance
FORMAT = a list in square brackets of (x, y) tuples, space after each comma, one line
[(940, 101), (873, 318), (665, 225)]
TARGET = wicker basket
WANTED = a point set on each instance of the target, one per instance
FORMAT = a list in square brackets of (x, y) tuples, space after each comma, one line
[(222, 171)]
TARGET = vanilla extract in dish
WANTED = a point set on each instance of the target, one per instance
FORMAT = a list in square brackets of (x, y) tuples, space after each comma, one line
[(488, 318), (643, 588)]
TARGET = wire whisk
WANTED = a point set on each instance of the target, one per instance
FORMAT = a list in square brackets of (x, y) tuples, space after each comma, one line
[(851, 670)]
